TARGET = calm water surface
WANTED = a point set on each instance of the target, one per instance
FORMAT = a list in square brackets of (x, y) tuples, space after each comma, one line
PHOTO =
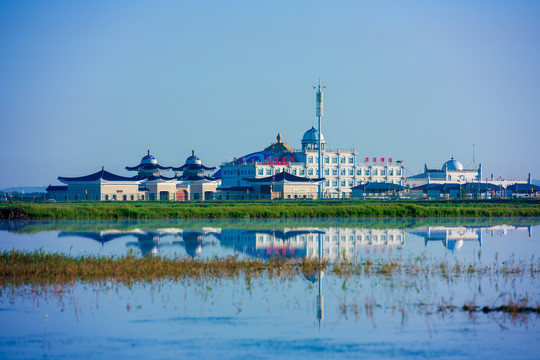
[(360, 317)]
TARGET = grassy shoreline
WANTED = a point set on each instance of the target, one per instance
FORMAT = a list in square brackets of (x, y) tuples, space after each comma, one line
[(38, 267), (269, 209)]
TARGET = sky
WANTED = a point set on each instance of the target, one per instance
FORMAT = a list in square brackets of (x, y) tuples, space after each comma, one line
[(85, 84)]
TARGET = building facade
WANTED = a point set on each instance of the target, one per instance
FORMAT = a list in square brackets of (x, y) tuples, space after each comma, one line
[(341, 169)]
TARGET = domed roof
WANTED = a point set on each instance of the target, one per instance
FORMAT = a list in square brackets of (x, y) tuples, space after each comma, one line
[(193, 160), (312, 136), (452, 165), (148, 159)]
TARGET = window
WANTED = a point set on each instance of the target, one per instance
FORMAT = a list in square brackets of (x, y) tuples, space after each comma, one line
[(398, 172), (327, 183), (342, 182), (359, 172), (302, 172), (334, 182), (268, 171), (383, 172), (351, 172), (294, 171), (366, 172), (375, 172), (351, 160), (334, 160), (326, 160), (106, 197), (310, 171), (334, 171), (310, 160), (278, 170), (260, 171), (391, 172), (132, 197), (342, 160), (343, 172), (350, 182), (326, 171)]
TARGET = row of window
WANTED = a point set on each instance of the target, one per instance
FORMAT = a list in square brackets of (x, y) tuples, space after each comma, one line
[(349, 182), (331, 239), (238, 172), (326, 159), (335, 171)]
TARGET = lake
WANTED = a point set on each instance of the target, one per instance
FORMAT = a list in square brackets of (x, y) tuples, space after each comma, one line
[(326, 315)]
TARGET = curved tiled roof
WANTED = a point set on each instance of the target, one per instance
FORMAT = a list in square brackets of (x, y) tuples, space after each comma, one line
[(196, 178), (142, 166), (192, 167), (102, 174)]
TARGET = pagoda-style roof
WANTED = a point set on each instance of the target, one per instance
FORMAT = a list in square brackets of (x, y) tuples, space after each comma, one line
[(148, 163), (159, 177), (193, 164), (193, 167), (148, 167), (284, 176), (100, 175), (279, 147)]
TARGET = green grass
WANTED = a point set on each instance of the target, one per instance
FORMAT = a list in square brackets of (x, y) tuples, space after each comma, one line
[(276, 209)]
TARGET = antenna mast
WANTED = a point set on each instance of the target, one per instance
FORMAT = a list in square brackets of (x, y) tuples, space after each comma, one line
[(319, 113)]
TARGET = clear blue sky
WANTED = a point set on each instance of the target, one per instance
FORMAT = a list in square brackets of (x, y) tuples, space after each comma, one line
[(91, 83)]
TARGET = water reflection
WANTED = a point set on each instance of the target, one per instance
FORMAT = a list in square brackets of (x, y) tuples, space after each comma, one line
[(327, 240), (149, 241), (453, 237)]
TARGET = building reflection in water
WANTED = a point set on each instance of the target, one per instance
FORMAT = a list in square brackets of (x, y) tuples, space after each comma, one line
[(334, 243), (149, 241), (453, 237), (330, 244)]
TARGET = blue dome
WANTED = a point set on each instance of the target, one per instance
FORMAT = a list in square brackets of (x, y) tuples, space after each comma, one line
[(452, 165), (148, 159), (312, 136), (193, 160)]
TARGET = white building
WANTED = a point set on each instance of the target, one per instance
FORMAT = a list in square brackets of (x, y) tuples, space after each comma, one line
[(340, 167)]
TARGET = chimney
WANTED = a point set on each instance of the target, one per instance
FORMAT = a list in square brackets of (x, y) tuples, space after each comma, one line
[(148, 151), (102, 168), (192, 152)]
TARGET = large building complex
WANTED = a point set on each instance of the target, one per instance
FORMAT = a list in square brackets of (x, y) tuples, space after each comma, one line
[(341, 169), (148, 184), (279, 171)]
